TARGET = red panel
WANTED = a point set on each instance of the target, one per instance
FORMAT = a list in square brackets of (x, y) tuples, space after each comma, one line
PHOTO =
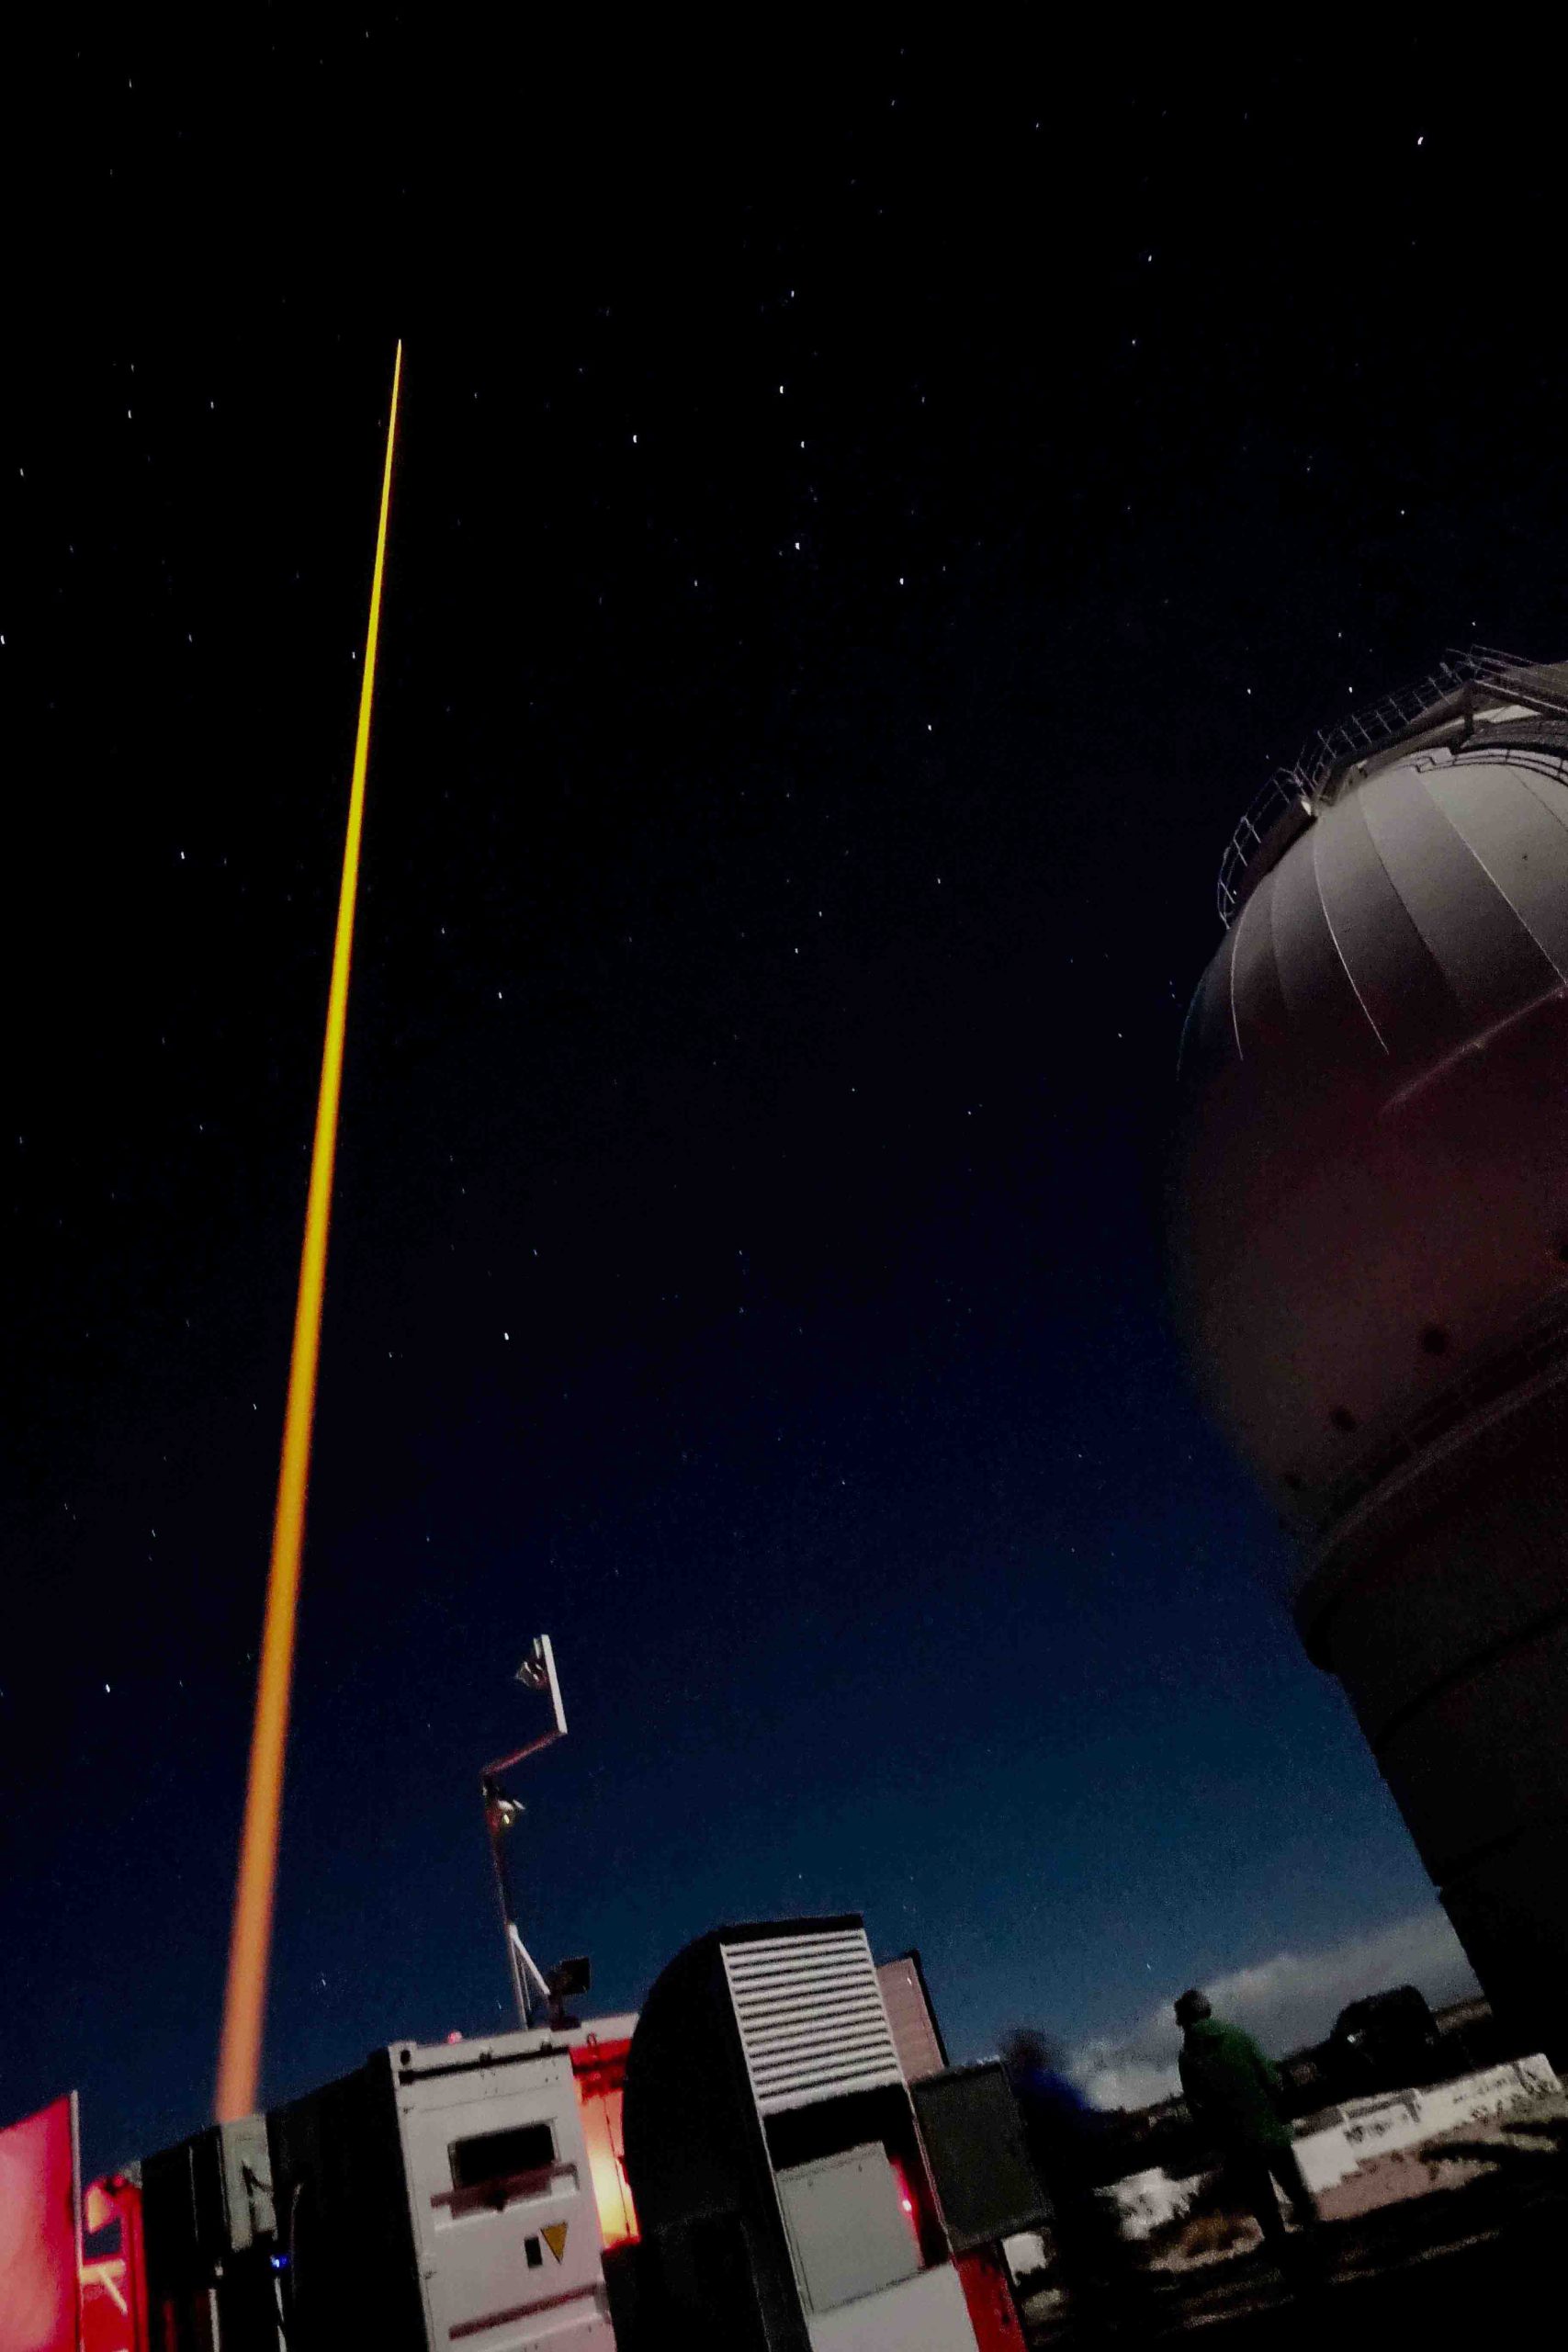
[(114, 2281), (38, 2295), (987, 2290), (606, 2058)]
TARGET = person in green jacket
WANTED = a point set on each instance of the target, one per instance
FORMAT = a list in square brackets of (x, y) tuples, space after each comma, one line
[(1236, 2097)]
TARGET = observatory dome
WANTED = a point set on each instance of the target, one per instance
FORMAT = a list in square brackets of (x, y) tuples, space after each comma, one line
[(1368, 1222), (1370, 1213)]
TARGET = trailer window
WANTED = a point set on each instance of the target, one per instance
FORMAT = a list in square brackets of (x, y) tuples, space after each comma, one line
[(501, 2156)]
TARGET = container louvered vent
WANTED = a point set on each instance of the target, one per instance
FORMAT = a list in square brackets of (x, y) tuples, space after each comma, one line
[(811, 2017)]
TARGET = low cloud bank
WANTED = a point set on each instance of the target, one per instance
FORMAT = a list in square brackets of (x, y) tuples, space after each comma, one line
[(1287, 2001)]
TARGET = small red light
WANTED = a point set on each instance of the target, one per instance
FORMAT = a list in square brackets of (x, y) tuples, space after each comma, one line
[(906, 2205), (452, 2037)]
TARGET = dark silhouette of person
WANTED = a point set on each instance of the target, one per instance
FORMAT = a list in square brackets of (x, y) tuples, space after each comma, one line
[(1066, 2138), (1237, 2100)]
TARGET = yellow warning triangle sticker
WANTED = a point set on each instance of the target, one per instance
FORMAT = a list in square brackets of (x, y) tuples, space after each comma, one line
[(554, 2236)]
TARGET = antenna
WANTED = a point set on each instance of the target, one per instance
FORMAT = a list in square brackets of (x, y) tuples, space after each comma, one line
[(538, 1672)]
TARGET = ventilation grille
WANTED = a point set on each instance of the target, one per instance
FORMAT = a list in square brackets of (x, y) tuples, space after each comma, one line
[(812, 2021)]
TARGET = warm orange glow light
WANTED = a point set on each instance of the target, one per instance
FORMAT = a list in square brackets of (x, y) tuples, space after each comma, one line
[(244, 2006), (601, 2074)]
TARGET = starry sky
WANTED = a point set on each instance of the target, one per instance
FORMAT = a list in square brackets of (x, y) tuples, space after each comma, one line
[(869, 515)]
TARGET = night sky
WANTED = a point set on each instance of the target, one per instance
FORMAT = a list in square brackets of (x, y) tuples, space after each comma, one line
[(868, 516)]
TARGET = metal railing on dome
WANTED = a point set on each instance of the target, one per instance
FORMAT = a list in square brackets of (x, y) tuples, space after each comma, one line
[(1293, 795)]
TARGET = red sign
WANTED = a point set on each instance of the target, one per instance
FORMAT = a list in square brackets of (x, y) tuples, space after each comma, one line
[(39, 2306)]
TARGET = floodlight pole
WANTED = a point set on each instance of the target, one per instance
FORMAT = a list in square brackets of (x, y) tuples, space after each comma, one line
[(538, 1672)]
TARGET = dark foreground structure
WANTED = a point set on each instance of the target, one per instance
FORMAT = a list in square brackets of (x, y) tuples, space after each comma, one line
[(1369, 1247), (1457, 2269)]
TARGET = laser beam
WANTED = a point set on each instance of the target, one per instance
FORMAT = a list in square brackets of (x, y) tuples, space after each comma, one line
[(244, 2000)]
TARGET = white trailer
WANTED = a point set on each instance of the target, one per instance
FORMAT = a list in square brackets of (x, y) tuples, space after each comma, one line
[(446, 2194), (500, 2193)]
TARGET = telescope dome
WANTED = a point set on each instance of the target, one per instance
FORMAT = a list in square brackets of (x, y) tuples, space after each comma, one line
[(1369, 1257), (1369, 1211)]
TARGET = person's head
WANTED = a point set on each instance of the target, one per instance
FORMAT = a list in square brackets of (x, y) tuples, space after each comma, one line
[(1192, 2007), (1028, 2053)]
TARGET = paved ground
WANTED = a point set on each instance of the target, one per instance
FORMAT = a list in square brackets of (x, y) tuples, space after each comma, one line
[(1481, 2266)]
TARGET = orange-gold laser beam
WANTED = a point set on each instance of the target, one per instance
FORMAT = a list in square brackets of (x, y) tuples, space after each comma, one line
[(244, 2003)]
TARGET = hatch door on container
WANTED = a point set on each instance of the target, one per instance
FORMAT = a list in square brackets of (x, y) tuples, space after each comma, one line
[(504, 2216)]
